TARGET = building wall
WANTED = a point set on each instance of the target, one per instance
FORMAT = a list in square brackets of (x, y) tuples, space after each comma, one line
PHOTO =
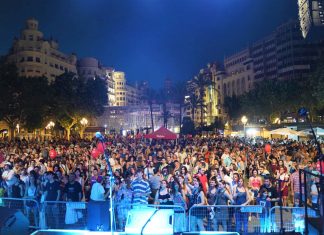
[(36, 56), (283, 54), (137, 117), (120, 88)]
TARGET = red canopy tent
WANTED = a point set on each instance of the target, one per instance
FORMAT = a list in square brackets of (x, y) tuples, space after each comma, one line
[(163, 134)]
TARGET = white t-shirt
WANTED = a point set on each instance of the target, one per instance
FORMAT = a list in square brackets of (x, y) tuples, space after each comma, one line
[(9, 175), (97, 192)]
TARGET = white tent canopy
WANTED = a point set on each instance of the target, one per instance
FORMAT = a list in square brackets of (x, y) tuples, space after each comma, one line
[(318, 131), (286, 131)]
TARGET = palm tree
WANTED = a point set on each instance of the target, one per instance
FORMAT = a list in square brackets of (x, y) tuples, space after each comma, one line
[(163, 99), (149, 96), (179, 91), (200, 83), (193, 104)]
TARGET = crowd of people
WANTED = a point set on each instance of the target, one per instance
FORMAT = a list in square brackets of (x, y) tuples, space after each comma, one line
[(195, 171)]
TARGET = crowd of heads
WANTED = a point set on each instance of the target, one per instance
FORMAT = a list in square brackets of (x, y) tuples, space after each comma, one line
[(181, 166)]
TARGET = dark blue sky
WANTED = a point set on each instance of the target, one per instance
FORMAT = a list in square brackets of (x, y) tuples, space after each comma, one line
[(149, 39)]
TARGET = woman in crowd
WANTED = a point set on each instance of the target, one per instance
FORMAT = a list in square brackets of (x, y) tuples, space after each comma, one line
[(163, 196), (222, 198), (255, 183), (283, 182), (197, 198), (178, 200), (31, 193), (242, 198)]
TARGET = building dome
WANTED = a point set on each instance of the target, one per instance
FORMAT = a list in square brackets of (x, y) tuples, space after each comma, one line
[(88, 62), (32, 24)]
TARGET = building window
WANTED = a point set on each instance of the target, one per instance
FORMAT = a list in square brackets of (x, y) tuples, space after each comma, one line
[(61, 67), (56, 66), (22, 59), (51, 65), (30, 37), (37, 59), (30, 58)]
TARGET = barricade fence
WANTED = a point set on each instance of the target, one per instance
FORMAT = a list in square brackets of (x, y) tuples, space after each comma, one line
[(293, 218), (73, 215), (29, 207), (63, 215), (229, 218)]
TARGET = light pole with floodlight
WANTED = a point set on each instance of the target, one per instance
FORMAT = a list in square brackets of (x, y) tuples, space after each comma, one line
[(84, 123), (244, 120)]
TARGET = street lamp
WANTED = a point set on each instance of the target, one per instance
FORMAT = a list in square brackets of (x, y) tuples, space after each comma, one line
[(244, 121), (84, 123), (50, 125), (105, 129)]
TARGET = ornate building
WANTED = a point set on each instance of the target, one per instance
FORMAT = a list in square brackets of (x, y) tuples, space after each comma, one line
[(35, 56)]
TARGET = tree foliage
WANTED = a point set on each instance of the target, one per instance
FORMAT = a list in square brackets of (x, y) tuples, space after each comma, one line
[(23, 101), (76, 97), (200, 83)]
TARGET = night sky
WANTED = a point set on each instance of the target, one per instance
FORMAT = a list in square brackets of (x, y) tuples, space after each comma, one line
[(148, 39)]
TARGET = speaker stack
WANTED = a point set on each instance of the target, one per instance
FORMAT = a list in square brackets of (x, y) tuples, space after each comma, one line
[(13, 222)]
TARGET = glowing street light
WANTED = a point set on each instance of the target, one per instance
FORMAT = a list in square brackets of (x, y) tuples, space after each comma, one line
[(50, 125), (84, 123), (244, 120)]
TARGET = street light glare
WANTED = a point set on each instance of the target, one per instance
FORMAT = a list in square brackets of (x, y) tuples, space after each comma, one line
[(244, 120)]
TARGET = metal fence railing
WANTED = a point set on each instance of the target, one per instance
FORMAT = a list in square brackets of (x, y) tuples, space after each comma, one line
[(232, 218), (293, 218), (63, 215), (228, 218), (180, 217), (311, 196), (29, 207)]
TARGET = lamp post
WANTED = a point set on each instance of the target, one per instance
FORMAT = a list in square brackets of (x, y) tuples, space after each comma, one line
[(84, 123), (244, 121), (105, 129)]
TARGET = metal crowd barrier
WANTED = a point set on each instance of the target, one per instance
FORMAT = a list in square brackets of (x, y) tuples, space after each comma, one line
[(63, 215), (29, 207), (293, 218), (254, 218), (121, 213), (228, 218)]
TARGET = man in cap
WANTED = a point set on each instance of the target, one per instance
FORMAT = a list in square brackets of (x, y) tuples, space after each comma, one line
[(8, 174)]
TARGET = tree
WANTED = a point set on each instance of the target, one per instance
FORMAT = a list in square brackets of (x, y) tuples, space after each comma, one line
[(199, 83), (149, 96), (76, 97), (36, 101), (162, 99), (232, 106), (188, 126), (23, 101), (179, 91), (11, 96), (317, 83), (193, 104)]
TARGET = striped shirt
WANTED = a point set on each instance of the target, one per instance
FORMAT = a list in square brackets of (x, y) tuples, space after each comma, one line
[(294, 179), (140, 187)]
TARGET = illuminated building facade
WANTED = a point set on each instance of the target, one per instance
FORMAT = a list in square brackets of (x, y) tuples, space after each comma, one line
[(35, 56), (284, 54), (311, 13)]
